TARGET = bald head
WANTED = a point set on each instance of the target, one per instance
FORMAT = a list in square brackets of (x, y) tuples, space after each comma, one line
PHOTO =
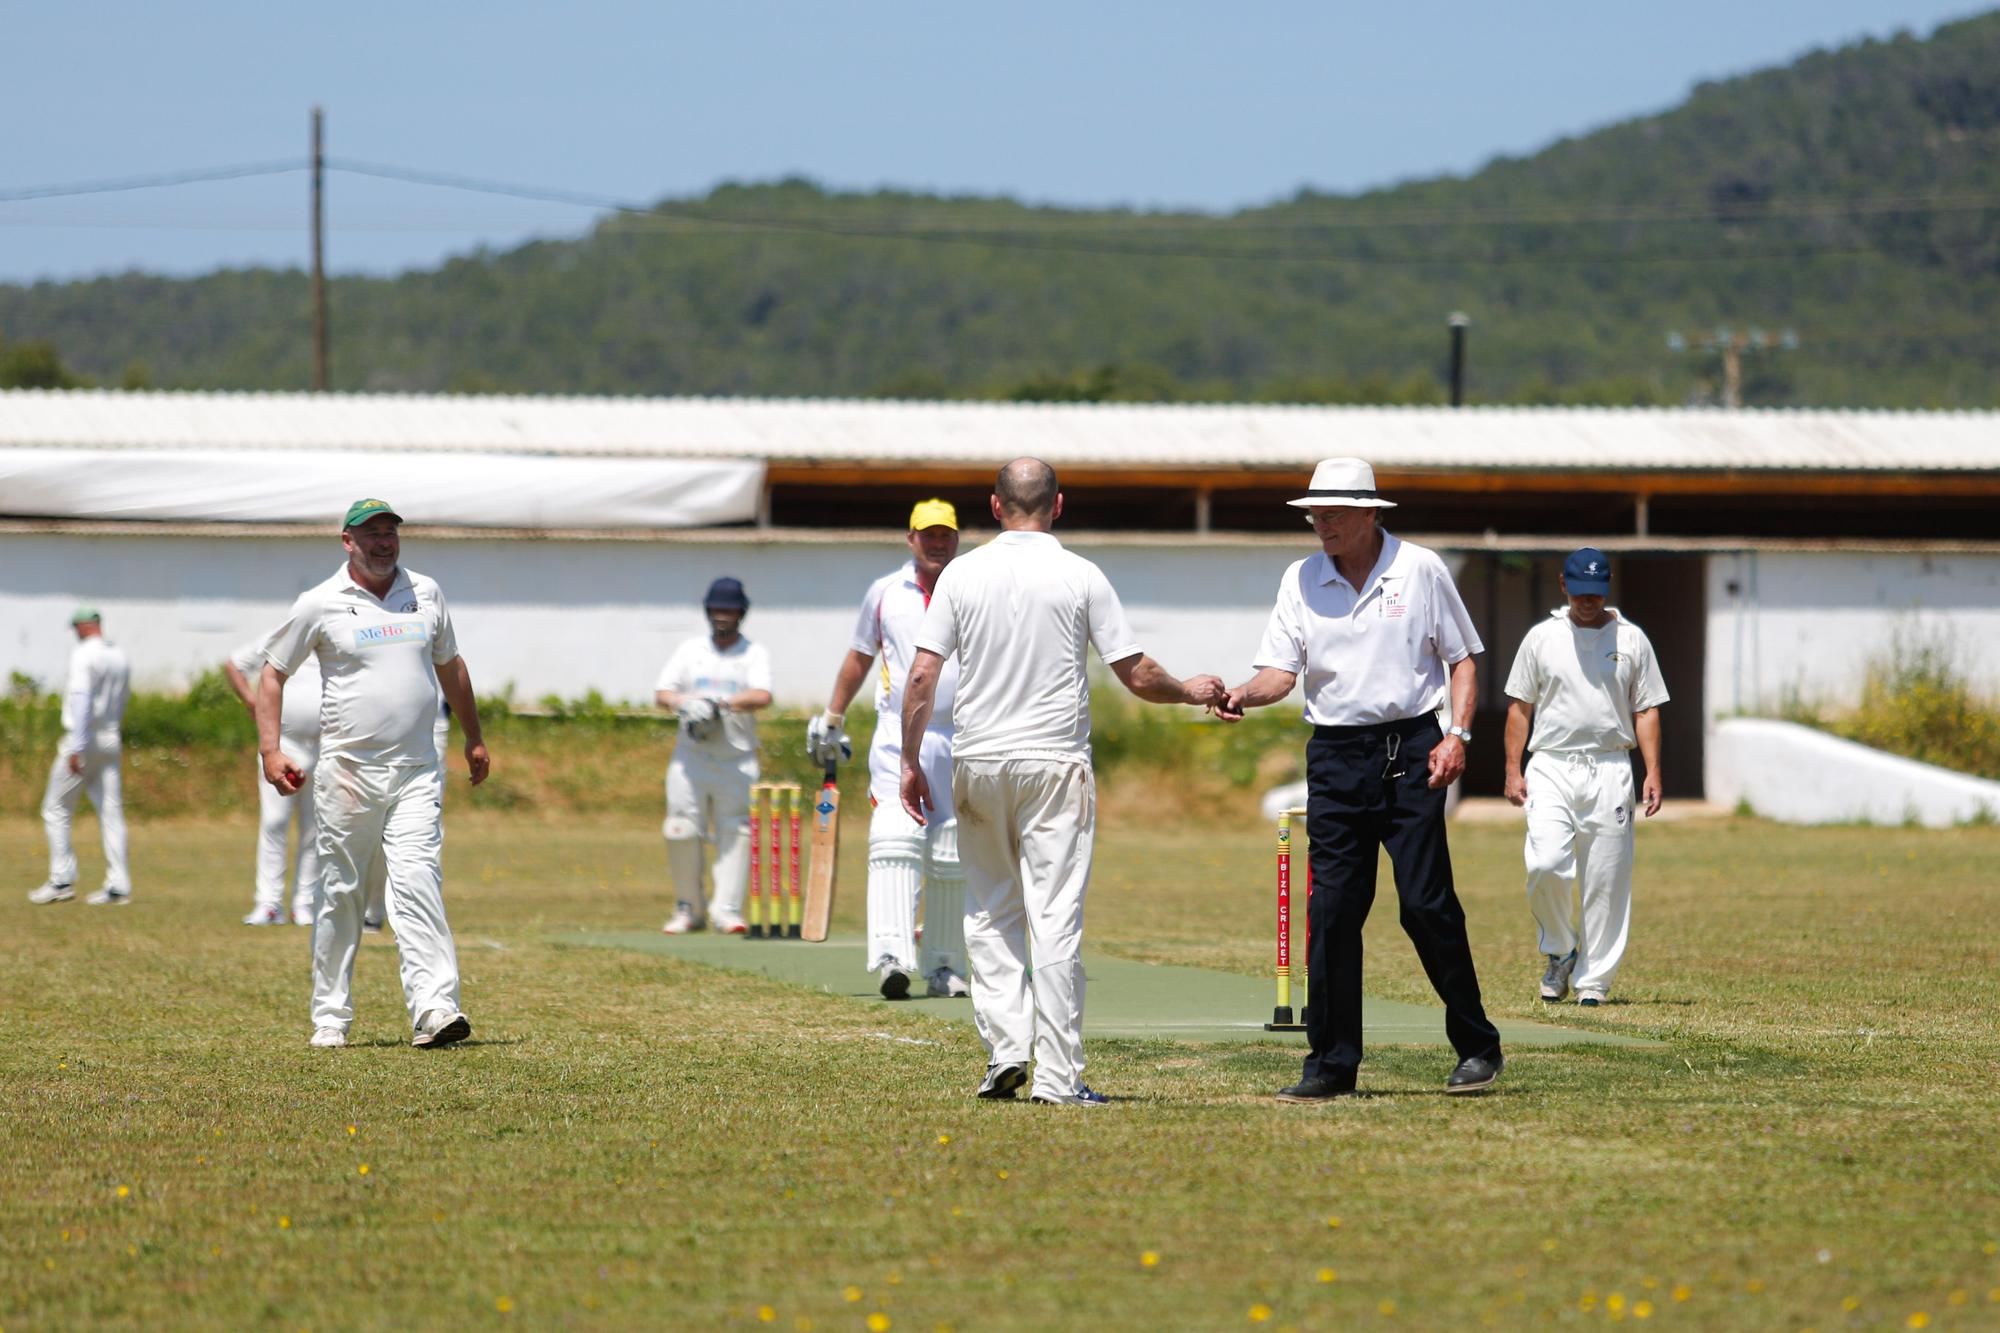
[(1027, 489)]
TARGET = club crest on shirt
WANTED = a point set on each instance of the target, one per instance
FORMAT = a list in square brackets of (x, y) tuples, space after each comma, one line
[(1395, 603)]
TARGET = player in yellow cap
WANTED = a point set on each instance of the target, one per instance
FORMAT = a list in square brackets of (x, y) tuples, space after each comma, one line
[(907, 861)]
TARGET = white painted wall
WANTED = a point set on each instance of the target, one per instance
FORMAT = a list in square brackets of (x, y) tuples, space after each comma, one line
[(1798, 775), (1807, 623), (562, 617)]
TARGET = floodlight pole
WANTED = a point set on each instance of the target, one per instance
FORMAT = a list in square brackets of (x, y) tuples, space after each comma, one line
[(319, 249)]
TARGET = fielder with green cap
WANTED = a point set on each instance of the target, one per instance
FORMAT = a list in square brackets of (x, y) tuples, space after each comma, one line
[(87, 760), (907, 861), (385, 644)]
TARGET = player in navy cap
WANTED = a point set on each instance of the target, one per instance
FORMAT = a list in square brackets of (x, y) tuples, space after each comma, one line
[(1587, 683)]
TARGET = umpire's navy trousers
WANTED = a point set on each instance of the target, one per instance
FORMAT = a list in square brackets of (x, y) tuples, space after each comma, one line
[(1368, 788)]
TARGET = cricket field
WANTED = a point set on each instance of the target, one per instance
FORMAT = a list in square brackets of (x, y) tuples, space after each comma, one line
[(1802, 1137)]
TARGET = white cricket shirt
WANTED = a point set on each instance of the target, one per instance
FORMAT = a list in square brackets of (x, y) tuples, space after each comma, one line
[(1378, 653), (698, 667), (94, 695), (300, 716), (378, 661), (1018, 614), (1585, 684), (892, 614)]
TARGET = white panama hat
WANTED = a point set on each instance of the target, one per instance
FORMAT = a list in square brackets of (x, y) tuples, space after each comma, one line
[(1342, 483)]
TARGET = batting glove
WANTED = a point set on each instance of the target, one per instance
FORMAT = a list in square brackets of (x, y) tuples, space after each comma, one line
[(826, 740)]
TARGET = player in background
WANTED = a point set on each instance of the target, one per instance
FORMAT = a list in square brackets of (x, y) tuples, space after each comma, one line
[(87, 759), (298, 732), (714, 684), (906, 860), (1587, 682)]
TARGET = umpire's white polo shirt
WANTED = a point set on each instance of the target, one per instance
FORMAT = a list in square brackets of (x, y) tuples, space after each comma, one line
[(1378, 653), (1017, 614), (1585, 684), (378, 660)]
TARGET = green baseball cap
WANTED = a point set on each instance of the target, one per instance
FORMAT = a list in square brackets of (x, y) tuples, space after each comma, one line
[(363, 510), (84, 615)]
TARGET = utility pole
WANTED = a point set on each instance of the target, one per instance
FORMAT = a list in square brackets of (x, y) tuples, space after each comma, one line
[(319, 249), (1459, 321), (1731, 345)]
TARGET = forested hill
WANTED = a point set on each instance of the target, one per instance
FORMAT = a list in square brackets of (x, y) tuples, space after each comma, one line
[(1852, 197)]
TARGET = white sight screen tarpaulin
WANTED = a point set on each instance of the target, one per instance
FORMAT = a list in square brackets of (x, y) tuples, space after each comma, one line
[(316, 486)]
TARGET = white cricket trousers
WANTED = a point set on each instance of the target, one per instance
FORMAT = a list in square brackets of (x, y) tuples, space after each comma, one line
[(396, 813), (1579, 846), (101, 778), (1025, 833), (708, 801), (275, 815)]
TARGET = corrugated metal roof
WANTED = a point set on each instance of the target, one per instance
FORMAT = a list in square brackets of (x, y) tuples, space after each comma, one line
[(1220, 437)]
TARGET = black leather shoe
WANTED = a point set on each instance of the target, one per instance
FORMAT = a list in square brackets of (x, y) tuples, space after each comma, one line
[(1475, 1073), (1308, 1090)]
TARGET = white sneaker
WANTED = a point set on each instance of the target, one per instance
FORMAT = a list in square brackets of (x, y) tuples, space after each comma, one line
[(441, 1027), (1555, 977), (51, 893), (372, 924), (945, 984), (302, 916), (727, 923), (330, 1037), (683, 921), (110, 898), (265, 916)]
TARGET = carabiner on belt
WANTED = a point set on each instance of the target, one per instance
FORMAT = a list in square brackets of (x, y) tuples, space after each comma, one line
[(1394, 768)]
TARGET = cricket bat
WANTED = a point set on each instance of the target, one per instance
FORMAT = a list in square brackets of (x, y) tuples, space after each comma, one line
[(825, 859)]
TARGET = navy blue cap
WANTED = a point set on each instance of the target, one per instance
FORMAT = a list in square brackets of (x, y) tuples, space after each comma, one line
[(726, 594), (1587, 571)]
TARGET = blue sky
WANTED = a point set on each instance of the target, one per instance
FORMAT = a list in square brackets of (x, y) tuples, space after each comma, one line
[(1146, 104)]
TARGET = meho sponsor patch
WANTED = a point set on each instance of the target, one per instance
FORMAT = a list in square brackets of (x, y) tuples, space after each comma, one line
[(391, 632)]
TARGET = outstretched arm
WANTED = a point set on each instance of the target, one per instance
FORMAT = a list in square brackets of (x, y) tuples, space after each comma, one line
[(1268, 686), (1156, 685)]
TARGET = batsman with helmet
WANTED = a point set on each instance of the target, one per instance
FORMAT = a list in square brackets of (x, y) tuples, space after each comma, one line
[(714, 684)]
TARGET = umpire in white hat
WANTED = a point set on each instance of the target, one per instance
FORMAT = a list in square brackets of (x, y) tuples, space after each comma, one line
[(1382, 638)]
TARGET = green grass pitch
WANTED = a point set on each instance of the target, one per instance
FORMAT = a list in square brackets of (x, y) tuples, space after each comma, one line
[(1803, 1139)]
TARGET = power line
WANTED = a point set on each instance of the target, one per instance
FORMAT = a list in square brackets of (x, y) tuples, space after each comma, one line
[(1165, 236), (153, 182)]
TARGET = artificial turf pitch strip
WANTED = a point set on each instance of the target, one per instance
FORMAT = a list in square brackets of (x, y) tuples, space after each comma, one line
[(1125, 999)]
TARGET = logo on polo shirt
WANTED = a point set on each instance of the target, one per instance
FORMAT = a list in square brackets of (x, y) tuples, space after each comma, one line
[(1394, 603), (396, 631)]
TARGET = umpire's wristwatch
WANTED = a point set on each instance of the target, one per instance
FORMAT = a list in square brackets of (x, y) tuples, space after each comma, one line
[(1464, 734)]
